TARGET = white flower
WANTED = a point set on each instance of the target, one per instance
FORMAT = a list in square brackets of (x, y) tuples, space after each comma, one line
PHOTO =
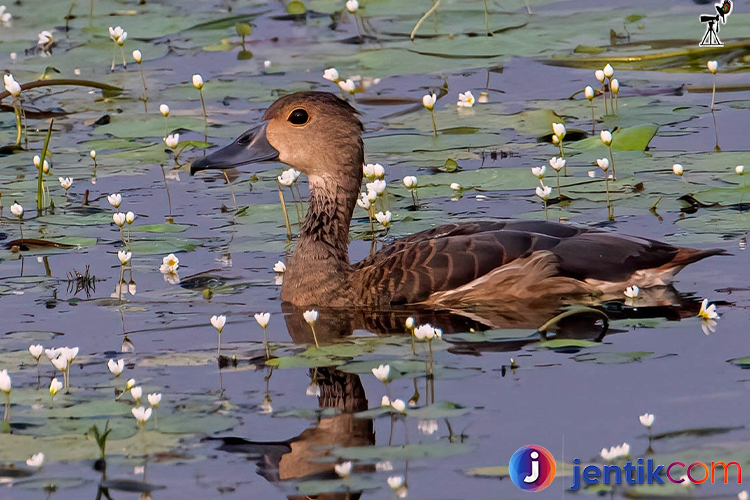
[(428, 101), (424, 332), (384, 466), (313, 390), (609, 71), (114, 199), (647, 420), (606, 137), (115, 33), (124, 256), (36, 460), (465, 100), (288, 177), (164, 110), (5, 17), (136, 392), (44, 38), (218, 322), (154, 399), (410, 322), (331, 74), (539, 172), (344, 469), (311, 316), (615, 452), (263, 319), (411, 181), (137, 56), (198, 81), (65, 182), (52, 353), (11, 85), (16, 210), (543, 192), (589, 92), (632, 292), (484, 97), (395, 482), (116, 367), (382, 373), (712, 66), (347, 85), (398, 405), (739, 170), (60, 363), (384, 218), (557, 164), (118, 218), (5, 384), (677, 169), (427, 427), (69, 354), (129, 384), (377, 185), (455, 186), (599, 75), (92, 154), (603, 163), (54, 387), (352, 6), (708, 311), (141, 414), (172, 140), (614, 84), (373, 171), (363, 201), (279, 267), (385, 401), (169, 264), (36, 351), (555, 140), (743, 495), (267, 64), (559, 130)]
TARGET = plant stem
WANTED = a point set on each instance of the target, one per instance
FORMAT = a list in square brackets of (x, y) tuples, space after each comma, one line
[(20, 225), (143, 80), (486, 19), (286, 214), (546, 213), (559, 193), (562, 155), (315, 337), (205, 116), (231, 189), (40, 186), (604, 94), (430, 369), (713, 93), (593, 121), (612, 162), (434, 126), (19, 126), (421, 19)]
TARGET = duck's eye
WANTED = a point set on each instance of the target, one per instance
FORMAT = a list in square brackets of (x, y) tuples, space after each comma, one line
[(298, 117)]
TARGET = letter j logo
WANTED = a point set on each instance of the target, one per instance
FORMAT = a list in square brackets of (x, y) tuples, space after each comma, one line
[(532, 468)]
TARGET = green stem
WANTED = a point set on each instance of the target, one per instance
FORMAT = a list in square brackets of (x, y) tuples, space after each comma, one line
[(205, 116), (6, 416), (143, 80), (18, 122), (713, 93), (421, 19), (486, 19), (315, 337), (612, 162), (434, 126), (286, 214), (39, 186)]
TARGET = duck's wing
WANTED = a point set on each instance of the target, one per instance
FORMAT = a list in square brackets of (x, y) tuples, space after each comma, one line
[(449, 257)]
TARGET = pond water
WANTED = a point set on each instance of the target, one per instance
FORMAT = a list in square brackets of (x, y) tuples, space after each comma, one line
[(277, 429)]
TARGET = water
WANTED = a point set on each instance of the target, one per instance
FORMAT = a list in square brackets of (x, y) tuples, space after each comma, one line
[(573, 400)]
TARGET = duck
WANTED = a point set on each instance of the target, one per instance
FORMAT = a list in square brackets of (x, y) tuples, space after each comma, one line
[(458, 265)]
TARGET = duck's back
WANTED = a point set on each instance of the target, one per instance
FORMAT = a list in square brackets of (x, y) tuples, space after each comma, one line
[(485, 261)]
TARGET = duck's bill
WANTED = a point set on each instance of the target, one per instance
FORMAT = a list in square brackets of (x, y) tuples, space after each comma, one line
[(250, 147)]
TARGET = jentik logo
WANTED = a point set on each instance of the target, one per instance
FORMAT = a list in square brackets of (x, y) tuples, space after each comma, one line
[(713, 23), (532, 468)]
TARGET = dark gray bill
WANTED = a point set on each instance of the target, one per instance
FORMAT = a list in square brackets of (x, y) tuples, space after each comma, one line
[(250, 147)]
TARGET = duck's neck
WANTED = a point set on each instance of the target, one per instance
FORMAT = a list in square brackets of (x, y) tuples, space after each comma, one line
[(319, 269)]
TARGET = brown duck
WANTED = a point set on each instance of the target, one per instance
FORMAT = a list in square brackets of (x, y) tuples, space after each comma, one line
[(454, 265)]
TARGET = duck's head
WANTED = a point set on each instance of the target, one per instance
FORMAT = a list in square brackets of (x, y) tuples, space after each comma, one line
[(315, 132)]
